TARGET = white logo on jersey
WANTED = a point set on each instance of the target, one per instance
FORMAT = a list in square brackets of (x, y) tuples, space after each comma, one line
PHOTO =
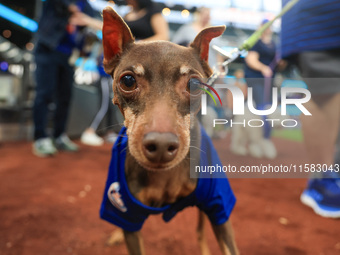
[(115, 197)]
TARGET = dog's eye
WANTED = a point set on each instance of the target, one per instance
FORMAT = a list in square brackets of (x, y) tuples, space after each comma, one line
[(128, 83), (194, 86)]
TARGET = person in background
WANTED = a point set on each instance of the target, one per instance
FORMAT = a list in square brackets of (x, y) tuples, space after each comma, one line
[(146, 21), (56, 39), (89, 136), (310, 38), (259, 66), (187, 33), (239, 137), (241, 84), (259, 62)]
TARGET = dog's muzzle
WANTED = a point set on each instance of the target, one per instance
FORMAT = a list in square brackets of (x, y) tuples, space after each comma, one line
[(160, 148)]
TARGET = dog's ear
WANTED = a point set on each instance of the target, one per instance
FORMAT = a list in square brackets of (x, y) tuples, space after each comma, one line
[(202, 40), (116, 37)]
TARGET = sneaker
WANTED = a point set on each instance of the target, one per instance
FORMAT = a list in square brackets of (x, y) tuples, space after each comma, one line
[(239, 149), (65, 144), (255, 150), (111, 137), (44, 147), (268, 148), (92, 139), (323, 196)]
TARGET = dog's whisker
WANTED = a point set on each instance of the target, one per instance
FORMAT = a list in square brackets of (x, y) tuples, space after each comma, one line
[(111, 126), (122, 135), (118, 143), (191, 158), (125, 149), (194, 147)]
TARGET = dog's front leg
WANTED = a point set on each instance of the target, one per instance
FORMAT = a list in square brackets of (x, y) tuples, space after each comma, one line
[(225, 238), (202, 239), (134, 242)]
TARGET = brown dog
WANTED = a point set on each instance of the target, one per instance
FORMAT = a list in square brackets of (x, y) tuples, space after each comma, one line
[(153, 84)]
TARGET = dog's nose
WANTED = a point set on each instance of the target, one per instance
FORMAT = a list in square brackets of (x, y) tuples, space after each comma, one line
[(160, 147)]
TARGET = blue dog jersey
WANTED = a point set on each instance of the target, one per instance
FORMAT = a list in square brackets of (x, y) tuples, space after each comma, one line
[(119, 207)]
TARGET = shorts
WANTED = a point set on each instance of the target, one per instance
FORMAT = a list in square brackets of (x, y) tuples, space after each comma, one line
[(321, 71)]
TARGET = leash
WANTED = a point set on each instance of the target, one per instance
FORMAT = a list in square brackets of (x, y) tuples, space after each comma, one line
[(268, 80), (246, 45)]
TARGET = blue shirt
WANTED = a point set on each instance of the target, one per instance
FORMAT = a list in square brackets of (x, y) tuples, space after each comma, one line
[(310, 26), (72, 39), (266, 56), (212, 195), (54, 20)]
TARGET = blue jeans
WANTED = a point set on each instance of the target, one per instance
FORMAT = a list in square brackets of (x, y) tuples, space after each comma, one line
[(54, 80)]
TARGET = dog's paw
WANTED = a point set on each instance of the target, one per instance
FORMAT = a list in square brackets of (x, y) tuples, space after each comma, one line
[(116, 237)]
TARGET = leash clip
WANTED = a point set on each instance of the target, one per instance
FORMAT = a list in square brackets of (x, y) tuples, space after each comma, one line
[(231, 56)]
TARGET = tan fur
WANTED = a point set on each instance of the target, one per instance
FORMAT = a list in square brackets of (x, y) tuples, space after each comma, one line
[(184, 69), (139, 69)]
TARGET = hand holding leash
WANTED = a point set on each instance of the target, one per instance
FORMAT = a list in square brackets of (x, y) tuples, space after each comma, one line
[(246, 46)]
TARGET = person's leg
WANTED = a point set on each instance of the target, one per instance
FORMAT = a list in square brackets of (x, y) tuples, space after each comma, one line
[(89, 136), (257, 85), (64, 93), (322, 75), (111, 107), (267, 102), (105, 98), (321, 129), (111, 136), (45, 76), (264, 143)]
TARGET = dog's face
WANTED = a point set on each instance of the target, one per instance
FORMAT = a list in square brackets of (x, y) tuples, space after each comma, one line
[(153, 85)]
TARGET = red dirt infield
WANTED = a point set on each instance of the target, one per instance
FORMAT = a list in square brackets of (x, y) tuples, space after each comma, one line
[(51, 206)]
